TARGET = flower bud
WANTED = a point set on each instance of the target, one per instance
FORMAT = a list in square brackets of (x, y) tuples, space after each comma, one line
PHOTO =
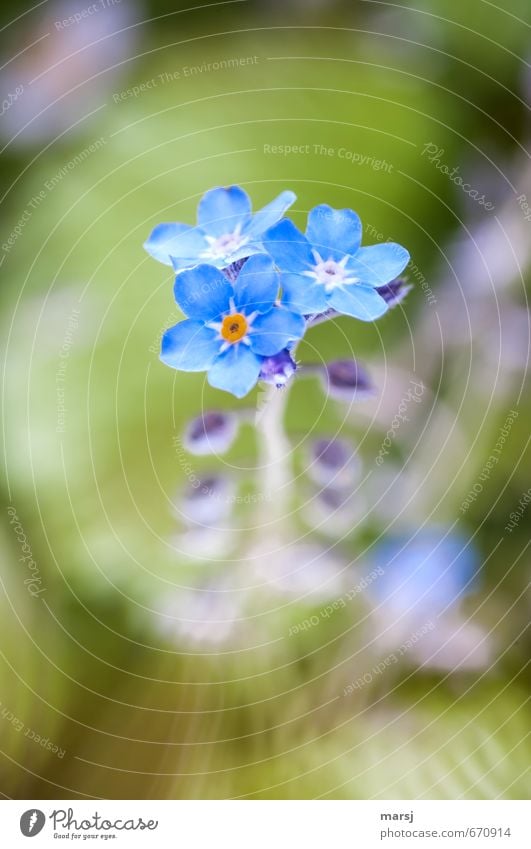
[(208, 500), (346, 380), (335, 512), (332, 461), (210, 433), (278, 369), (394, 292), (231, 271)]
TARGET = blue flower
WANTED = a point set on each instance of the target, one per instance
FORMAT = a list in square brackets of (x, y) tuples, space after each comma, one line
[(327, 268), (233, 326), (428, 573), (226, 230)]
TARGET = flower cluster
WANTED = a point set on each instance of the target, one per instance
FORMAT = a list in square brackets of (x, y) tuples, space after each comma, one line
[(250, 285)]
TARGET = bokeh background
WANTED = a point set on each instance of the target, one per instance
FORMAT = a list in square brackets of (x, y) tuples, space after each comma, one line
[(170, 647)]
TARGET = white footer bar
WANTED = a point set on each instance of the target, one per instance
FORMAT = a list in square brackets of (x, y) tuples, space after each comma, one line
[(266, 824)]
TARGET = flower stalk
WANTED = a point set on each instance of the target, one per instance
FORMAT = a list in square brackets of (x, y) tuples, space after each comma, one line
[(275, 472)]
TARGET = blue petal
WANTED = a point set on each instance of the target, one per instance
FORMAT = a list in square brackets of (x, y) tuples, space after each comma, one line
[(175, 240), (272, 332), (220, 262), (202, 292), (431, 569), (221, 210), (288, 247), (256, 286), (359, 301), (270, 214), (376, 265), (333, 232), (236, 370), (189, 346), (302, 294)]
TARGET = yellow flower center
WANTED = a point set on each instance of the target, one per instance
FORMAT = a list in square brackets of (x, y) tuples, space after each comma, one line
[(234, 327)]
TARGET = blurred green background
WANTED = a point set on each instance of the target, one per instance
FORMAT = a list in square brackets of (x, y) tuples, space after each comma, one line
[(89, 167)]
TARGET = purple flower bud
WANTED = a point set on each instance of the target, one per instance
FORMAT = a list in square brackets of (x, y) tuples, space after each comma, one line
[(231, 271), (335, 511), (394, 292), (332, 461), (346, 380), (207, 500), (332, 498), (278, 369), (212, 432)]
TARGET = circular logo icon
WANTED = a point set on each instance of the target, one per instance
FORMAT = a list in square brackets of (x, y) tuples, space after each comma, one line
[(31, 822)]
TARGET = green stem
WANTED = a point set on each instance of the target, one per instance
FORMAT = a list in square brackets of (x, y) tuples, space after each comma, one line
[(274, 458)]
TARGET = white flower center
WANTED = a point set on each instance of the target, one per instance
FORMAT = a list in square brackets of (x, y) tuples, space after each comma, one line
[(224, 246), (330, 273)]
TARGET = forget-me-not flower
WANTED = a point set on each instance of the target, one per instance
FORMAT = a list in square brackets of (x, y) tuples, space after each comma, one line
[(427, 573), (232, 326), (226, 230), (327, 269)]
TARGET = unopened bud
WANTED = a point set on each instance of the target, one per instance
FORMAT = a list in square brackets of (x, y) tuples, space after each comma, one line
[(335, 511), (332, 498), (394, 292), (347, 380), (208, 500), (332, 461), (231, 271), (278, 369), (210, 433)]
